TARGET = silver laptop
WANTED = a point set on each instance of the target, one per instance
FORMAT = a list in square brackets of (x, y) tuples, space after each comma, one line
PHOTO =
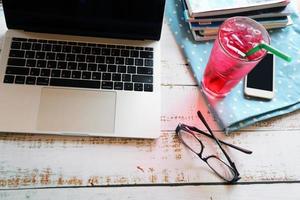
[(81, 67)]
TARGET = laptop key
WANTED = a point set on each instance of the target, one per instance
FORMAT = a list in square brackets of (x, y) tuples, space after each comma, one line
[(31, 63), (9, 79), (125, 53), (122, 69), (86, 75), (126, 77), (47, 47), (149, 49), (82, 66), (45, 72), (72, 66), (112, 68), (96, 76), (145, 70), (74, 83), (60, 56), (40, 55), (110, 60), (42, 81), (96, 51), (66, 74), (116, 77), (120, 60), (56, 48), (36, 46), (131, 69), (66, 49), (34, 71), (106, 76), (86, 50), (148, 87), (139, 62), (29, 54), (134, 53), (62, 65), (146, 54), (50, 56), (26, 46), (142, 79), (17, 70), (19, 39), (107, 85), (92, 67), (128, 86), (129, 61), (138, 87), (16, 61), (17, 53), (115, 52), (76, 49), (30, 80), (148, 63), (55, 73), (105, 52), (70, 57), (90, 58), (102, 67), (118, 85), (41, 63), (100, 59), (15, 45), (51, 64), (32, 40), (20, 79), (80, 58), (76, 74)]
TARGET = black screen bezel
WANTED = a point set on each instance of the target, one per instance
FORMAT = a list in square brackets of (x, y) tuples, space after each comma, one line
[(140, 31)]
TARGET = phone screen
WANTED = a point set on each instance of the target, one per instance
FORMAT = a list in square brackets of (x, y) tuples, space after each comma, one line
[(261, 76)]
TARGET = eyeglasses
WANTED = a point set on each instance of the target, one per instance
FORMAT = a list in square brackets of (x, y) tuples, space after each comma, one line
[(188, 136)]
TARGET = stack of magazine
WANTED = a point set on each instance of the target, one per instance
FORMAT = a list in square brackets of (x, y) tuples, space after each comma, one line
[(205, 16)]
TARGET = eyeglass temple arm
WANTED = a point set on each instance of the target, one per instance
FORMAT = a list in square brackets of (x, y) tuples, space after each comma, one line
[(225, 143), (217, 140)]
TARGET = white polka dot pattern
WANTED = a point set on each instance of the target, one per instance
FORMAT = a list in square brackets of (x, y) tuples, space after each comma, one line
[(235, 111)]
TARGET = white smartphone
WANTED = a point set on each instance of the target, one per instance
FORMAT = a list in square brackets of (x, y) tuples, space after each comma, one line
[(260, 82)]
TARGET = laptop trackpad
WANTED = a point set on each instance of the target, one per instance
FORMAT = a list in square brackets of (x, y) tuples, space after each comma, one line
[(76, 111)]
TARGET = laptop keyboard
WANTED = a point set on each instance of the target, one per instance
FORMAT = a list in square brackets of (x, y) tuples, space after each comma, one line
[(76, 64)]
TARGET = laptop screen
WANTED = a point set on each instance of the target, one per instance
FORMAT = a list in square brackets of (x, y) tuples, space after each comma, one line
[(133, 19)]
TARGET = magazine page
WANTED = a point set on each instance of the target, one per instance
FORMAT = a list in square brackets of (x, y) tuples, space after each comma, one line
[(200, 7)]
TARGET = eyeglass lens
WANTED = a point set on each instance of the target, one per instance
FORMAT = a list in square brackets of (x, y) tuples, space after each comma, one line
[(221, 168), (217, 165)]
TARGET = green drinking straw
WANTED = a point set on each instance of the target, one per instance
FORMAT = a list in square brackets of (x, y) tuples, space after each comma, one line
[(270, 49)]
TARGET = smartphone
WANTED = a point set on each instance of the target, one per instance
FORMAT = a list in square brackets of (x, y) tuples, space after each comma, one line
[(260, 81)]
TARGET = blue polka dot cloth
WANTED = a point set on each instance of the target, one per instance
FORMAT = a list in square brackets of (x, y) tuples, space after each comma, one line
[(235, 111)]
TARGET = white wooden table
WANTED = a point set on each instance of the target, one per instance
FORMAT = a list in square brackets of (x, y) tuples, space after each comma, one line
[(65, 167)]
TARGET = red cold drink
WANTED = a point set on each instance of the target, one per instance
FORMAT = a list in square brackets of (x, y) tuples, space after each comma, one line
[(227, 63)]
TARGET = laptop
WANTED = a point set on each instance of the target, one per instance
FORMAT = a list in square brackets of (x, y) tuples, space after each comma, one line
[(81, 67)]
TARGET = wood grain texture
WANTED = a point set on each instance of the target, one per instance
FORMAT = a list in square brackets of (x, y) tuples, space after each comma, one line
[(40, 161), (221, 192), (50, 161)]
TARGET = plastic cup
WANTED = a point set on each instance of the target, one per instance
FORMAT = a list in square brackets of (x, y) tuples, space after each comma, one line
[(228, 63)]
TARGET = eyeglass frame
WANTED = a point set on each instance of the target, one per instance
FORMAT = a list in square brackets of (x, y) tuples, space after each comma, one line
[(192, 129)]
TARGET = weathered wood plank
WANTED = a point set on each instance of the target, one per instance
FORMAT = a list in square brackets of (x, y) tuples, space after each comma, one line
[(174, 69), (238, 192), (180, 103), (50, 161)]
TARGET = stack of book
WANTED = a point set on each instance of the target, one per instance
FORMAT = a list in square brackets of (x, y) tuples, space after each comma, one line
[(204, 17)]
